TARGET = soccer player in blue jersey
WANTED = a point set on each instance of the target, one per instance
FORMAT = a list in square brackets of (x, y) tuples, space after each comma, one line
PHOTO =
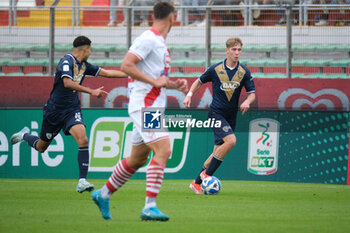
[(227, 77), (63, 110)]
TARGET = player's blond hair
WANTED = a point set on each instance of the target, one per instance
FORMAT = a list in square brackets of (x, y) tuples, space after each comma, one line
[(233, 42)]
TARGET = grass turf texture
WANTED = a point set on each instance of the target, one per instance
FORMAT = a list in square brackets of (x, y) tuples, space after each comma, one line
[(241, 206)]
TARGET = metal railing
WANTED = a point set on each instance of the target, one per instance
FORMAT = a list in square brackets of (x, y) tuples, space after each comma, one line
[(303, 9)]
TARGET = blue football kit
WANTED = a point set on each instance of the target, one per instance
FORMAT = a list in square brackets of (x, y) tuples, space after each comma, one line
[(227, 85), (63, 109)]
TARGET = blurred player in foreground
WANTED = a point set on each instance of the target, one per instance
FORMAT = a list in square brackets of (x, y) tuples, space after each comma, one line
[(227, 77), (148, 63), (63, 110)]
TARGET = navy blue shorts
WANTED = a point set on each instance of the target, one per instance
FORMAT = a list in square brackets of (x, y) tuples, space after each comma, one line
[(228, 125), (56, 119)]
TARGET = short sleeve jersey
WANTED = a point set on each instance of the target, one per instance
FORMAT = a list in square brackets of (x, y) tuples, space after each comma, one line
[(70, 67), (154, 57), (227, 85)]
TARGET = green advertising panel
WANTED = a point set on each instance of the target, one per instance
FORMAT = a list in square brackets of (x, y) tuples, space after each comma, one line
[(271, 145)]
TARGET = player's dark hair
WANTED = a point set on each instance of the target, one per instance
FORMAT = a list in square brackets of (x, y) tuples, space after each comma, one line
[(80, 41), (162, 10)]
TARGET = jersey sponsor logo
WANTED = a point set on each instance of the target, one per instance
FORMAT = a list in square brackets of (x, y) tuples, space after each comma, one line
[(263, 146), (229, 86), (65, 67), (110, 142), (298, 98)]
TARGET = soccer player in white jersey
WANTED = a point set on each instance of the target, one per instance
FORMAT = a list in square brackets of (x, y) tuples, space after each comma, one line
[(148, 63)]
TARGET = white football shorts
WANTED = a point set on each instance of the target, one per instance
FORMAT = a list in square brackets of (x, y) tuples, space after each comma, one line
[(138, 136)]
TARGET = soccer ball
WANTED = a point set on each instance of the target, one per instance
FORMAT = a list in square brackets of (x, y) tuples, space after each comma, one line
[(211, 185)]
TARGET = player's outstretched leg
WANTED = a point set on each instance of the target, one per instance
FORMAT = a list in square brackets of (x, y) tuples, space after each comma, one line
[(103, 204), (84, 185), (18, 137)]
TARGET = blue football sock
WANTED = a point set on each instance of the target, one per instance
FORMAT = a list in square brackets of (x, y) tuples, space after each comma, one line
[(198, 180), (31, 139), (83, 161), (214, 165)]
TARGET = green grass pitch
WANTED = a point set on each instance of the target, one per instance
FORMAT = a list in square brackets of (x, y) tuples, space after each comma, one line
[(48, 206)]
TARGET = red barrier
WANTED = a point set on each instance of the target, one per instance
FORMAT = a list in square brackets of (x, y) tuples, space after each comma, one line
[(284, 94)]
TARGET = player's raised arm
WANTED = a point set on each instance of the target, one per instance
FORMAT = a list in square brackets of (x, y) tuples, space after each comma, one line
[(69, 83), (194, 88), (112, 73), (129, 67), (179, 84)]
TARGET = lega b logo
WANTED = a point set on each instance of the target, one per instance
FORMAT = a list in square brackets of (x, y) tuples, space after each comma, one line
[(152, 119)]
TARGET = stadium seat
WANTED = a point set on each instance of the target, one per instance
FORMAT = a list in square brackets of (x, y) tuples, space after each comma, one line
[(258, 62), (275, 62), (5, 61), (318, 63), (177, 74), (338, 76), (35, 74), (340, 63), (21, 62), (41, 48), (275, 75), (193, 75), (15, 74), (258, 75), (6, 47), (113, 62), (342, 48), (299, 62), (298, 75), (217, 47), (182, 47), (178, 62), (63, 47), (316, 75)]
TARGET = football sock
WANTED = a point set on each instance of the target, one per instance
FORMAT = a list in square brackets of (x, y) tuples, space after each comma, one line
[(213, 166), (150, 202), (31, 139), (83, 161), (105, 193), (198, 179), (154, 179), (121, 174)]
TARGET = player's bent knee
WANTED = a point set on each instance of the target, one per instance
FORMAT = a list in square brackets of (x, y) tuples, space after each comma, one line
[(41, 149), (83, 141), (166, 152), (230, 141)]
